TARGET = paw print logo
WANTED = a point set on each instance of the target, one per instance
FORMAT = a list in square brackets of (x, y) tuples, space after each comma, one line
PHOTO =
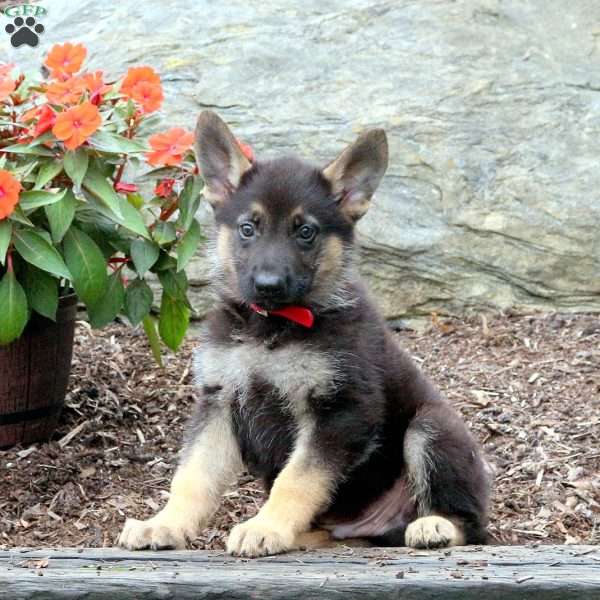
[(24, 31)]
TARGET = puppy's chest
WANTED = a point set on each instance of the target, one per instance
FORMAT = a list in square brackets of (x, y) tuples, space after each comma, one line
[(292, 372), (268, 394)]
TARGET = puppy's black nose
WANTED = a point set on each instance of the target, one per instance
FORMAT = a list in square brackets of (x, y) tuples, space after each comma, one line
[(269, 285)]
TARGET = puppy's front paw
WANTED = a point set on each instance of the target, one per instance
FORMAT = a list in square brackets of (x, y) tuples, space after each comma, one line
[(258, 537), (432, 532), (156, 533)]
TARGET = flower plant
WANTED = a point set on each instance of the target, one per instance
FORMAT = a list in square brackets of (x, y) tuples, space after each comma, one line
[(70, 219)]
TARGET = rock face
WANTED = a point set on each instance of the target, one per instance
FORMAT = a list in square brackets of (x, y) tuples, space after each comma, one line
[(492, 108)]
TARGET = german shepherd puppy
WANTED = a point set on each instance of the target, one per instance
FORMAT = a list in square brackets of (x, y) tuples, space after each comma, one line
[(300, 381)]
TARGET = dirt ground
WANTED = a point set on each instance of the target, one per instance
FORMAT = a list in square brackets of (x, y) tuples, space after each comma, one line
[(528, 386)]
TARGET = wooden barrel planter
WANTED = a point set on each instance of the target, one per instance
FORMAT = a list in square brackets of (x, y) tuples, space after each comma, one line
[(34, 374)]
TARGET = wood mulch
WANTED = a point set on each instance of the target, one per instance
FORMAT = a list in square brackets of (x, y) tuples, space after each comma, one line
[(528, 386)]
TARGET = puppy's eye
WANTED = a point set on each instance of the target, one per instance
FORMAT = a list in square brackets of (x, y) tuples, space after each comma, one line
[(247, 230), (307, 233)]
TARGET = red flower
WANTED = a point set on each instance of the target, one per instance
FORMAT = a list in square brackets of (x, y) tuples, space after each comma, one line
[(9, 194), (168, 148), (246, 150), (75, 125), (165, 187), (94, 83), (47, 118), (66, 59), (24, 138), (128, 188)]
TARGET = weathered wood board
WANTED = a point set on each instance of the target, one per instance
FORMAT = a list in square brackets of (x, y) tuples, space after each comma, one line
[(488, 573)]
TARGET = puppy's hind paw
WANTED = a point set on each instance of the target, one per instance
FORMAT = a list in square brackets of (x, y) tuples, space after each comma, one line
[(433, 532), (153, 534)]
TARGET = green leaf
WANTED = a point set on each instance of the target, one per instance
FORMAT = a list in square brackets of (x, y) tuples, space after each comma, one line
[(42, 139), (76, 165), (19, 217), (97, 232), (153, 339), (189, 201), (60, 215), (98, 185), (138, 301), (36, 198), (111, 142), (160, 173), (28, 149), (164, 263), (43, 233), (164, 233), (144, 254), (42, 292), (24, 171), (136, 200), (87, 264), (13, 316), (37, 251), (173, 322), (5, 233), (187, 246), (47, 172), (174, 284), (132, 219), (108, 307)]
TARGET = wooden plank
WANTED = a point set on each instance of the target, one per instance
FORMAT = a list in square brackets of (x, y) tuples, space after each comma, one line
[(491, 573)]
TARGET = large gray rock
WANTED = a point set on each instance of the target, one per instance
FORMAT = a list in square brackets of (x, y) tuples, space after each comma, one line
[(492, 107)]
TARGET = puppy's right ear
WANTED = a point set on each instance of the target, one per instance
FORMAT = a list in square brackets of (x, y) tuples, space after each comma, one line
[(219, 157)]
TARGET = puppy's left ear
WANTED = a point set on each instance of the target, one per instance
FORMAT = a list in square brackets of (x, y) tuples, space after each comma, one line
[(355, 174), (219, 156)]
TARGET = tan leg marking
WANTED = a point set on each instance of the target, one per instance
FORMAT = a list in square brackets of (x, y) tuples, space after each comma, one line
[(299, 493), (417, 454), (211, 464), (434, 532)]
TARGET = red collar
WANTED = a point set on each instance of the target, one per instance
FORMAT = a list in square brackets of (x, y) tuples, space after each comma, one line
[(298, 314)]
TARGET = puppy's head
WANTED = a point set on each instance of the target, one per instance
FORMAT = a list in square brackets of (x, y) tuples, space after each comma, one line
[(284, 227)]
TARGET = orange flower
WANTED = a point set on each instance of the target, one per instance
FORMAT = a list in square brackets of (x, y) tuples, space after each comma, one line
[(65, 59), (142, 84), (29, 115), (168, 148), (9, 194), (137, 75), (5, 69), (7, 87), (69, 91), (149, 95), (94, 83), (75, 125)]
